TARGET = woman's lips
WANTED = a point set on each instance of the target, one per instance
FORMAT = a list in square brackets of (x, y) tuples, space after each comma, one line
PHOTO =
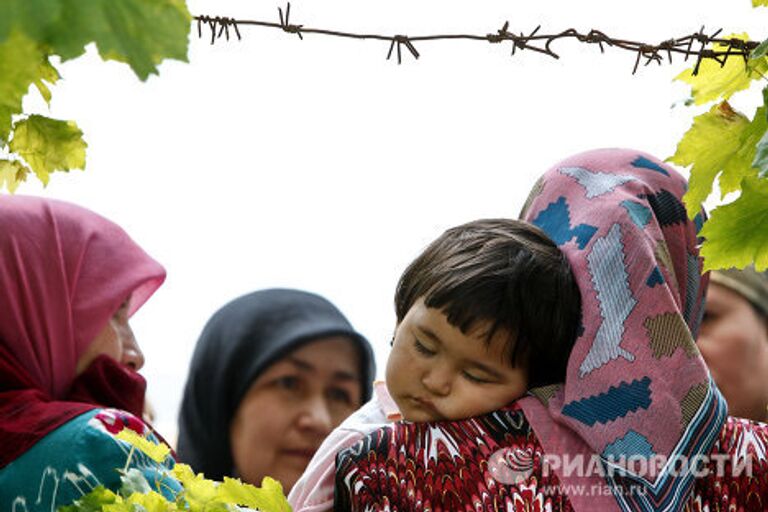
[(302, 453)]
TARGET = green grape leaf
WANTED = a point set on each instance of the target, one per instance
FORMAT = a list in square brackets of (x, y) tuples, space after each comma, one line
[(5, 125), (719, 140), (32, 17), (12, 172), (201, 495), (765, 99), (49, 145), (760, 51), (140, 33), (150, 501), (198, 495), (119, 506), (48, 74), (734, 234), (715, 81), (95, 501), (20, 66), (741, 163), (269, 497), (761, 156), (157, 452), (184, 473), (759, 3)]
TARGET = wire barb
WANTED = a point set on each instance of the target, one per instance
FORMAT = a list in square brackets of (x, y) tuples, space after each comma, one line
[(402, 40), (286, 26), (500, 34), (222, 23), (597, 37)]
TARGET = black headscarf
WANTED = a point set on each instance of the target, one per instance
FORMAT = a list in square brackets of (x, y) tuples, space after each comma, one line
[(238, 343)]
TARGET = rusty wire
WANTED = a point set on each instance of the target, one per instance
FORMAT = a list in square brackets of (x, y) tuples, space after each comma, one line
[(541, 43)]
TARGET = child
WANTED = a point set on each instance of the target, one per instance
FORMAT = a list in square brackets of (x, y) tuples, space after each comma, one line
[(487, 311)]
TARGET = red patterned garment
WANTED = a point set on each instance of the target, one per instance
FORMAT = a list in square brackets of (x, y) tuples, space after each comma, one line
[(738, 479), (448, 466), (451, 466)]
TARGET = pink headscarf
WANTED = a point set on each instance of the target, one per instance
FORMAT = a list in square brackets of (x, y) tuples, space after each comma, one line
[(64, 272), (636, 386)]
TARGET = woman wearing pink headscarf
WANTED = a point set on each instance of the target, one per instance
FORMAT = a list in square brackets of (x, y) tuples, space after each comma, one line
[(638, 424), (69, 281)]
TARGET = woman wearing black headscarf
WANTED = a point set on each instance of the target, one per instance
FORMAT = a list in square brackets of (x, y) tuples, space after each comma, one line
[(273, 373)]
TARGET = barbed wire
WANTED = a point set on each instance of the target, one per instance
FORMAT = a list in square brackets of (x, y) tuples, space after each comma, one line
[(541, 43)]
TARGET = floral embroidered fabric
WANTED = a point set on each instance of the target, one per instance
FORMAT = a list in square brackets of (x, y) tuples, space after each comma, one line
[(463, 465)]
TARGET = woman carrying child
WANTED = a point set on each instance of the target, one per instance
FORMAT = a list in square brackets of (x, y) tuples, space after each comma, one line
[(635, 407)]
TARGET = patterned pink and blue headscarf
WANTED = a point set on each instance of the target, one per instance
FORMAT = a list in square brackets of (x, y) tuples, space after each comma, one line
[(636, 387)]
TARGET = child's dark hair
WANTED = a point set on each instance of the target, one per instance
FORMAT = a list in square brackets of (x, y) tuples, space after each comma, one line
[(510, 274)]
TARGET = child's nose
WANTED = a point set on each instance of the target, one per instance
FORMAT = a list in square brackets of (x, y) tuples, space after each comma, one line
[(437, 380)]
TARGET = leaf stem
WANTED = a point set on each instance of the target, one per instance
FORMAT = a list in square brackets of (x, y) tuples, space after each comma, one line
[(128, 460)]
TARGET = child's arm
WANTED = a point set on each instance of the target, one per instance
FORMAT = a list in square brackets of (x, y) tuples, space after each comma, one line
[(314, 490)]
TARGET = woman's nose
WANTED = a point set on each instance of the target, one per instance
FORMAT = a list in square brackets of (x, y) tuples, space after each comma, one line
[(133, 357), (316, 416)]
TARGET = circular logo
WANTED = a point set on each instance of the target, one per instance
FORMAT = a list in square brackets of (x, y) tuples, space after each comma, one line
[(511, 465)]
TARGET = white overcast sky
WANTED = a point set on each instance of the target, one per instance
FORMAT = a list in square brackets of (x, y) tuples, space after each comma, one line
[(317, 164)]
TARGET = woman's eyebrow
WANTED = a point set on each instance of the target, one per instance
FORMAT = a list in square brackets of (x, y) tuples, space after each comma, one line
[(306, 366), (301, 364), (345, 376)]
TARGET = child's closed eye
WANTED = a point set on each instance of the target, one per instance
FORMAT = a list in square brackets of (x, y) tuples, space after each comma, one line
[(475, 379), (420, 347)]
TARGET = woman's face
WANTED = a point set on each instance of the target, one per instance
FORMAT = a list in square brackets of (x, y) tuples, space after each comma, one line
[(115, 340), (291, 407), (734, 341)]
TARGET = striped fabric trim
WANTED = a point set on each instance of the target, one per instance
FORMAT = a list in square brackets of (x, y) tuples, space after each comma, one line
[(670, 491)]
